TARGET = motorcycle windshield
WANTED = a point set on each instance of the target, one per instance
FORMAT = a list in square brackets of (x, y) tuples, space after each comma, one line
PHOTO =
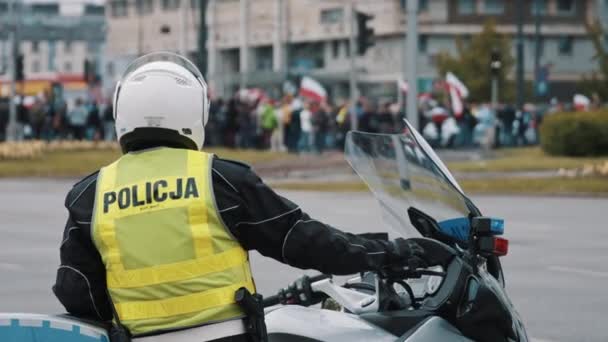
[(403, 171)]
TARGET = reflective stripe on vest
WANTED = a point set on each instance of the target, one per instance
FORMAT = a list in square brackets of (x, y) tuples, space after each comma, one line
[(170, 261)]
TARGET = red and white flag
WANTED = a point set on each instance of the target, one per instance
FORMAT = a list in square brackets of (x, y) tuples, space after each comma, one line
[(458, 91), (312, 89)]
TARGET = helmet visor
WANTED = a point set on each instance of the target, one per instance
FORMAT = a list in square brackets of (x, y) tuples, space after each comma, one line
[(163, 56)]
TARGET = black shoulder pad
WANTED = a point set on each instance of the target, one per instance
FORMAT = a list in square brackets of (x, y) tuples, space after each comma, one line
[(79, 188), (235, 162), (85, 179)]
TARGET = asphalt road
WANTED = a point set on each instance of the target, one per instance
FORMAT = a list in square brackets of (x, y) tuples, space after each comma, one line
[(557, 268)]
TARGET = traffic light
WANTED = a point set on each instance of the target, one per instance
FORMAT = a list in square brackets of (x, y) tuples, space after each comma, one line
[(495, 62), (365, 39), (19, 75)]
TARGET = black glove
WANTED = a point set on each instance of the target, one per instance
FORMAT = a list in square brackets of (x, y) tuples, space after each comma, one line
[(408, 253)]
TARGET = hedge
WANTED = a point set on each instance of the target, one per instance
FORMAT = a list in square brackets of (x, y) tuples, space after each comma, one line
[(575, 134)]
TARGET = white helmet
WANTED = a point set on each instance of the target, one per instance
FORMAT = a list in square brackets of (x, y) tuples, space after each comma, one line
[(161, 100)]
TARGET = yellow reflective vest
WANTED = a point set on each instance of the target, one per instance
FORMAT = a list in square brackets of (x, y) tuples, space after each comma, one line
[(171, 262)]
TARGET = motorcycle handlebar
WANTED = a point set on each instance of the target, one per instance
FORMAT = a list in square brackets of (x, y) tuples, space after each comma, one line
[(277, 299), (318, 277), (272, 300)]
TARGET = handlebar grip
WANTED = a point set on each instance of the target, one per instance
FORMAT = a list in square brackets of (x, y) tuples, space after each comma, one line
[(271, 300), (319, 277)]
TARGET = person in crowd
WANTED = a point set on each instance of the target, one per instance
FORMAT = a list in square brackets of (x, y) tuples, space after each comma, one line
[(386, 120), (369, 121), (507, 117), (77, 119), (108, 121), (467, 125), (332, 126), (295, 126), (306, 137), (277, 138), (22, 118), (287, 110), (320, 127), (4, 114), (94, 125), (37, 116), (268, 122), (214, 126), (343, 124), (246, 124)]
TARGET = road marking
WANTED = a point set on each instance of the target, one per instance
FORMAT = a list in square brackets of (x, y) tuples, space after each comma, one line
[(580, 271)]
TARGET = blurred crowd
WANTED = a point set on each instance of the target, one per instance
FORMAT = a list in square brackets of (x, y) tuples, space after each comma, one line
[(294, 124), (45, 117)]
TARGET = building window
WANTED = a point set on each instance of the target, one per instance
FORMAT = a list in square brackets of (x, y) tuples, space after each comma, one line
[(541, 45), (347, 45), (35, 46), (494, 6), (195, 4), (144, 6), (170, 4), (92, 47), (466, 6), (423, 5), (264, 58), (67, 67), (35, 66), (51, 56), (565, 46), (335, 48), (423, 43), (118, 8), (540, 5), (332, 16), (565, 7), (67, 46)]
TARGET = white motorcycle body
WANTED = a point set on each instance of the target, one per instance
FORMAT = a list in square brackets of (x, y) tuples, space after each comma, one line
[(296, 323)]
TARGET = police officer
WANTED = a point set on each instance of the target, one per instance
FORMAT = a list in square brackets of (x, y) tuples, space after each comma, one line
[(158, 239)]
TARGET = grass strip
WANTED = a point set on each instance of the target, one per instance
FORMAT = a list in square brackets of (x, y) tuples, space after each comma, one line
[(80, 163), (523, 159)]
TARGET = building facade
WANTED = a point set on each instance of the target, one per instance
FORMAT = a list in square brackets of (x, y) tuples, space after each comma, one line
[(53, 44), (264, 42)]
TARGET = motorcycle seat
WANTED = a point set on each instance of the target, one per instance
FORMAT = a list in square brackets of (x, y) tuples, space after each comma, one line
[(99, 324), (397, 322)]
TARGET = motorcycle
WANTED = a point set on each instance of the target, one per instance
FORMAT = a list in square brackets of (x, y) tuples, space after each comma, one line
[(461, 297)]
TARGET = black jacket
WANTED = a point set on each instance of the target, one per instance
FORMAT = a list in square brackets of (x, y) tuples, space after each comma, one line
[(258, 217)]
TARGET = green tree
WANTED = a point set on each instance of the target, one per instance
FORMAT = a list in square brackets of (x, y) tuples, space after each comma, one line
[(597, 82), (471, 64)]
